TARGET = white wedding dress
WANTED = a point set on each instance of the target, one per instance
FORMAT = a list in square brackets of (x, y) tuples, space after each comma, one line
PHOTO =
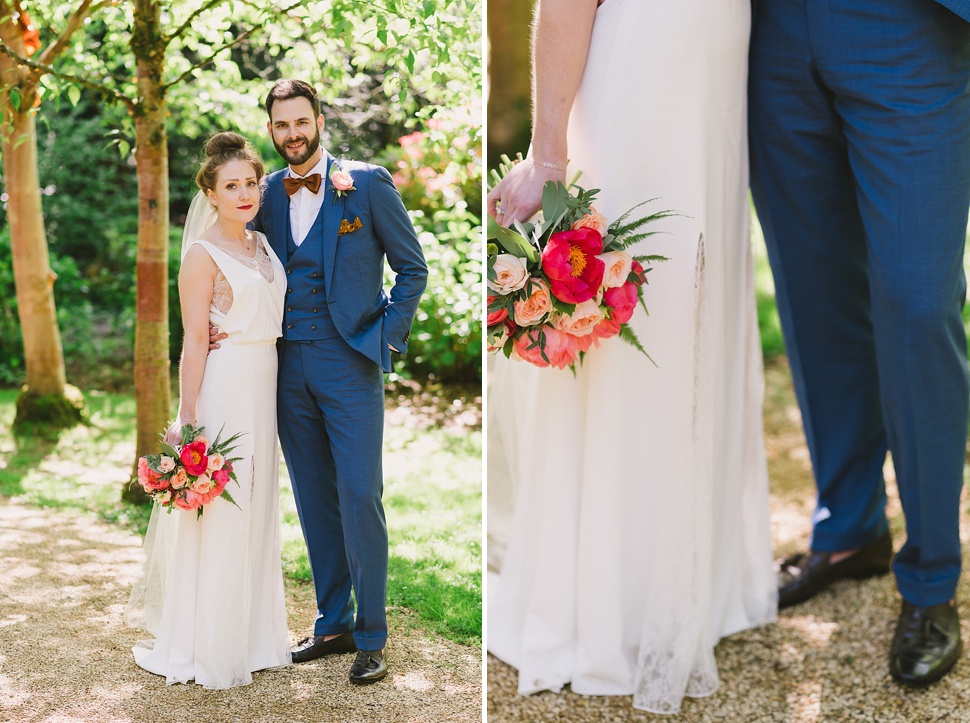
[(212, 591), (628, 507)]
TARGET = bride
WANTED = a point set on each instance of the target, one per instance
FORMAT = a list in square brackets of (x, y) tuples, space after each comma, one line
[(628, 506), (212, 593)]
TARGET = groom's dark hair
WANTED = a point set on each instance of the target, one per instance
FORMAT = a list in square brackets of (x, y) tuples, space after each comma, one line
[(286, 89)]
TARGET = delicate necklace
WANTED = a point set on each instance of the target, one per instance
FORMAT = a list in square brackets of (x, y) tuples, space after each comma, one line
[(244, 241)]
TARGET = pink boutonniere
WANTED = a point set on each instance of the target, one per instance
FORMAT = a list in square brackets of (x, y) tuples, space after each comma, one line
[(342, 181)]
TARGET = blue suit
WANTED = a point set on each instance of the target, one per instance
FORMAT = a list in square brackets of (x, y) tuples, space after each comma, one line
[(337, 325), (860, 173)]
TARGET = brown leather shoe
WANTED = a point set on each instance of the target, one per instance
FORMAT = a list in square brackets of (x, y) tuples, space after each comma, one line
[(315, 646), (369, 667), (804, 575)]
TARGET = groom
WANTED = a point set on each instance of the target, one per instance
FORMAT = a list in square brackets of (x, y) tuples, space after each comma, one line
[(860, 165), (332, 224)]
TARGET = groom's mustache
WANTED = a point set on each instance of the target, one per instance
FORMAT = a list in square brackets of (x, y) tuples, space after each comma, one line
[(286, 149)]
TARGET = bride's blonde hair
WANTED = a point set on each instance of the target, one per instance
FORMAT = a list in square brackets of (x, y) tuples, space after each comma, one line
[(219, 150)]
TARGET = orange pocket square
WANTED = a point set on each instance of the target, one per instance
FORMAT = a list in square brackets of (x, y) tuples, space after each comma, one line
[(348, 227)]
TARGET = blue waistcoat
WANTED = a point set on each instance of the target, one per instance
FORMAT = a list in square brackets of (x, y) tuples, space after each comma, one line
[(306, 315)]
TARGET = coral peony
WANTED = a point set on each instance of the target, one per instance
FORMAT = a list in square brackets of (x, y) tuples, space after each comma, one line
[(189, 500), (623, 300), (606, 328), (194, 458), (569, 262), (560, 349), (498, 316)]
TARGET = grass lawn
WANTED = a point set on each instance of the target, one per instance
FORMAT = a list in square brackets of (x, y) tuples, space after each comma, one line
[(432, 496)]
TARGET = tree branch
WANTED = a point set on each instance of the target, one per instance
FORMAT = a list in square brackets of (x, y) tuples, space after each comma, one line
[(47, 69), (188, 21), (57, 47), (212, 56)]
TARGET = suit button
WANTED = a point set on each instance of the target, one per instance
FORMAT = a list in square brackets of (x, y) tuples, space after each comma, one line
[(314, 311), (313, 291), (289, 271), (289, 291), (289, 308), (314, 274), (313, 326), (289, 326)]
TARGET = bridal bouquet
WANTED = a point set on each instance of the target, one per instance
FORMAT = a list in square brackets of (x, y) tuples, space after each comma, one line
[(191, 474), (562, 284)]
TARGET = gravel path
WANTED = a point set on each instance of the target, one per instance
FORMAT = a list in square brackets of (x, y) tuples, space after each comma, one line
[(824, 660), (65, 653)]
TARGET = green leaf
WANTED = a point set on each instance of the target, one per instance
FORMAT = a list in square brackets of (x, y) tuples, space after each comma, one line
[(409, 61), (170, 450), (516, 245), (15, 98), (74, 95)]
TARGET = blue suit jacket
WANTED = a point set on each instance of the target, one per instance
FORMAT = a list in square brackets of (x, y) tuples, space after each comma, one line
[(960, 7), (367, 317)]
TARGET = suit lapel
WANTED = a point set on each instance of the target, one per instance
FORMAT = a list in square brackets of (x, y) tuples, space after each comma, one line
[(280, 203), (333, 211)]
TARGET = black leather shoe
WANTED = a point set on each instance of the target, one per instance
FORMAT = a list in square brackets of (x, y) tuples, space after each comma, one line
[(369, 667), (926, 644), (315, 647), (804, 575)]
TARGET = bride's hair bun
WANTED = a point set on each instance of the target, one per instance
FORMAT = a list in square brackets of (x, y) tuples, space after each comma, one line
[(219, 150), (224, 142)]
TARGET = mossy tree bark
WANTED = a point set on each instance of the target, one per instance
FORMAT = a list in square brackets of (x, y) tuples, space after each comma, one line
[(46, 398)]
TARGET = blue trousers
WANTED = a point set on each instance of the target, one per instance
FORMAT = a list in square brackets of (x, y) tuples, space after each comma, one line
[(860, 164), (330, 402)]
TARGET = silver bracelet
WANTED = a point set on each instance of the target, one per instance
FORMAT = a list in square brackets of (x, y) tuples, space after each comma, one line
[(546, 164)]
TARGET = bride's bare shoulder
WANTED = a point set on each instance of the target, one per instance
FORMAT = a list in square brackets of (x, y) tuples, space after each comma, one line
[(197, 261)]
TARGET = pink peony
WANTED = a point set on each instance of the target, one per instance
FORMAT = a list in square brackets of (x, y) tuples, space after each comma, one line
[(593, 220), (623, 300), (496, 317), (221, 478), (618, 265), (531, 310), (194, 458), (569, 262), (639, 277), (582, 321)]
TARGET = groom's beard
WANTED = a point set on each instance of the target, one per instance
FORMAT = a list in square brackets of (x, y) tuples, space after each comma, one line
[(298, 158)]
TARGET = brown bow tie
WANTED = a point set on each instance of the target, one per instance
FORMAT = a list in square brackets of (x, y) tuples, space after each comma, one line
[(292, 185)]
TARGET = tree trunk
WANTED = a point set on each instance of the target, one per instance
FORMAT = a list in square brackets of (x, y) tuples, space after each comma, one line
[(45, 398), (509, 78), (152, 385)]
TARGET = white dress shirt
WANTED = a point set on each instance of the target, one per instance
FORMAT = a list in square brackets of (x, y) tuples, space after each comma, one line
[(305, 205)]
